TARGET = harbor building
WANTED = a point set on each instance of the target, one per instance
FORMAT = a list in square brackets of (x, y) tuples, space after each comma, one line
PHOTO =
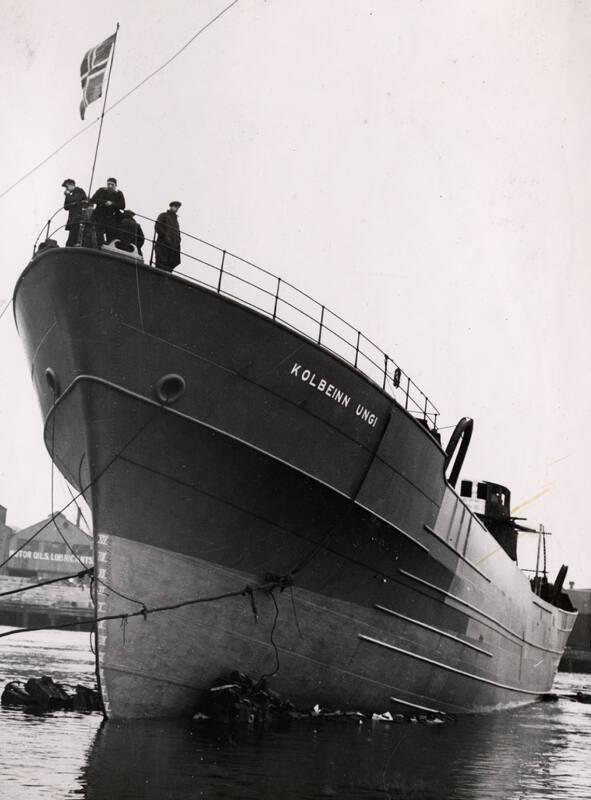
[(577, 656), (49, 549)]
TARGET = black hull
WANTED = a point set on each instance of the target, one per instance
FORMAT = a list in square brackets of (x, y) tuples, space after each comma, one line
[(280, 460)]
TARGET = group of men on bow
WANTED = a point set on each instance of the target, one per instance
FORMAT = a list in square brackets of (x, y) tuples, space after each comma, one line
[(103, 219)]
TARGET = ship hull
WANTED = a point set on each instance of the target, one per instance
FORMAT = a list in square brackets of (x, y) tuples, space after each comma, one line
[(297, 520)]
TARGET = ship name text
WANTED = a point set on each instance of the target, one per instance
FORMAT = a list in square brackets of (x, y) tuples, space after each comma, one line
[(330, 390)]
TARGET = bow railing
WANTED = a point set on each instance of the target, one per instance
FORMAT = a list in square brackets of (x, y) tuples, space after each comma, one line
[(239, 279)]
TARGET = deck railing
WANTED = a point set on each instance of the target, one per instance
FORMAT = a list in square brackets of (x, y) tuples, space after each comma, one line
[(239, 279)]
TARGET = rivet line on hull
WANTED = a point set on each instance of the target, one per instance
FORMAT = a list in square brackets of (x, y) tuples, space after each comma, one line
[(433, 628), (446, 667)]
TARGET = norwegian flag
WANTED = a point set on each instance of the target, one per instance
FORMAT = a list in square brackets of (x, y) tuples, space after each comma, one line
[(92, 72)]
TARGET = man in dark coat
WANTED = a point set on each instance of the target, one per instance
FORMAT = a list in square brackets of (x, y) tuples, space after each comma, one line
[(168, 238), (74, 202), (109, 203), (130, 232)]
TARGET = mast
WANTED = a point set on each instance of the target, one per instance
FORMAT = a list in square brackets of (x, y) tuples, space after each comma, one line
[(98, 141)]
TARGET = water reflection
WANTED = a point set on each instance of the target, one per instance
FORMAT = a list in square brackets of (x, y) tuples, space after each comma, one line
[(535, 752), (539, 752)]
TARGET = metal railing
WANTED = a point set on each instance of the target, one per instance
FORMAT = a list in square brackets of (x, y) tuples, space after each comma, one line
[(230, 275)]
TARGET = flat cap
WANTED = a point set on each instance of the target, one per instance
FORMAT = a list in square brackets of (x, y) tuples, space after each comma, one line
[(112, 180), (69, 182), (176, 203)]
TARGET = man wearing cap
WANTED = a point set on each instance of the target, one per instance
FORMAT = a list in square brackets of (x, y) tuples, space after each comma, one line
[(168, 238), (130, 232), (109, 203), (74, 202)]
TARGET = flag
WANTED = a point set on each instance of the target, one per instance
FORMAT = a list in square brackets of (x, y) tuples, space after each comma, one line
[(92, 72)]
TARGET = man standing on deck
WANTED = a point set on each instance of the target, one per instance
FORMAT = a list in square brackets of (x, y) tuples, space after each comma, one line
[(74, 202), (130, 232), (109, 203), (168, 238)]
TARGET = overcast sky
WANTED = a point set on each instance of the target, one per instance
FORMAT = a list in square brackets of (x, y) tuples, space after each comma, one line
[(422, 168)]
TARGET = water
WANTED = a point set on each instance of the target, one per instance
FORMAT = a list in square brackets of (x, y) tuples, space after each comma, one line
[(537, 752)]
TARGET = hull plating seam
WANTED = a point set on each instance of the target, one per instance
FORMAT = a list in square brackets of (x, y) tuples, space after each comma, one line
[(450, 669), (149, 401), (181, 415), (391, 525), (457, 552), (233, 372), (479, 611), (263, 644), (373, 570), (435, 630)]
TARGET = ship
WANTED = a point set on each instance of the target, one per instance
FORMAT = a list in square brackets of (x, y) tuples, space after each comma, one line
[(270, 494)]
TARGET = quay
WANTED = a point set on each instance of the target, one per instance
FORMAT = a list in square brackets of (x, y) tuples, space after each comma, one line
[(51, 549), (577, 655)]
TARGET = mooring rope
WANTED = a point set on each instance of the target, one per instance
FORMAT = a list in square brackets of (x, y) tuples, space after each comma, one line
[(80, 574), (72, 551), (82, 491), (144, 612), (272, 640)]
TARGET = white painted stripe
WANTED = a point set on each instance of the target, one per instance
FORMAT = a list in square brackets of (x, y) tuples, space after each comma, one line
[(416, 705), (436, 630), (459, 600), (395, 527), (450, 669), (479, 611)]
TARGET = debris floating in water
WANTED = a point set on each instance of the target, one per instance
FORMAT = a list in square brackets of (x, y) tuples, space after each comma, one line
[(43, 694), (579, 696), (240, 699), (237, 698)]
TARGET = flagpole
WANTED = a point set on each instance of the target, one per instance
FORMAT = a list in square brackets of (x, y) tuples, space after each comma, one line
[(98, 141)]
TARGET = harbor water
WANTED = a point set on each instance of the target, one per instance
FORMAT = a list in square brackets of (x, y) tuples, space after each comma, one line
[(538, 752)]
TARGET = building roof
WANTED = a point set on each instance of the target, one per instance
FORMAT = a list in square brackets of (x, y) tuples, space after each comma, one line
[(47, 530)]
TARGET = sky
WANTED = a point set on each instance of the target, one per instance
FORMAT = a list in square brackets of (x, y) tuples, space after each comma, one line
[(422, 168)]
